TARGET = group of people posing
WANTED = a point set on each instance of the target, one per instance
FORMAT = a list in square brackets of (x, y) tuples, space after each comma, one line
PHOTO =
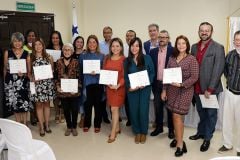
[(202, 66)]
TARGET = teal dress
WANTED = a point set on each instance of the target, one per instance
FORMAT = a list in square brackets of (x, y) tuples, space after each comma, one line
[(139, 100)]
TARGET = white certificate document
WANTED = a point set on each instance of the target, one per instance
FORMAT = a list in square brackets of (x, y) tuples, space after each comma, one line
[(43, 72), (69, 85), (139, 79), (171, 75), (32, 88), (210, 102), (91, 65), (18, 65), (56, 54), (108, 77)]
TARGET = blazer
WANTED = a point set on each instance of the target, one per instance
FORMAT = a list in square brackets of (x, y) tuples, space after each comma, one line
[(154, 55), (212, 67), (146, 46)]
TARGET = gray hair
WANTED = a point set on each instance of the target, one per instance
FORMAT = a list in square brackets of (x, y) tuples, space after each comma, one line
[(153, 25), (17, 36), (68, 45), (164, 31)]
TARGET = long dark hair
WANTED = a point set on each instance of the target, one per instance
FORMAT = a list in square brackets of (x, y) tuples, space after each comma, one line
[(140, 57), (75, 40), (176, 51), (27, 33), (50, 45)]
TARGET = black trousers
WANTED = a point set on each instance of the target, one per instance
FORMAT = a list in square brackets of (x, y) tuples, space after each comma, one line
[(159, 107), (70, 108), (127, 108), (94, 94)]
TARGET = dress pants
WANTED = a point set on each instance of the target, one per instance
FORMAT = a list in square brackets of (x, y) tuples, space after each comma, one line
[(208, 119), (94, 94), (231, 119), (70, 108), (159, 107)]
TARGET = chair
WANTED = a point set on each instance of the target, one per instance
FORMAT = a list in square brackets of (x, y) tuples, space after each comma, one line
[(3, 148), (20, 144), (226, 158)]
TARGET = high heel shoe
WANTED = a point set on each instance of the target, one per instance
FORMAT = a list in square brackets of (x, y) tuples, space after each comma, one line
[(179, 152), (173, 143), (85, 129), (111, 140), (96, 130), (42, 133)]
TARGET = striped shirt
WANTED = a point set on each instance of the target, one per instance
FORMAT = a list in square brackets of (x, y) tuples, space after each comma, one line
[(232, 71)]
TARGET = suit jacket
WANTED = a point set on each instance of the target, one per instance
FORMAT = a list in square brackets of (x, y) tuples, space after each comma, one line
[(146, 46), (212, 67), (154, 55)]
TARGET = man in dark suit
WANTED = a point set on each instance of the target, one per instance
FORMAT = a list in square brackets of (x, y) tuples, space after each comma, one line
[(153, 31), (160, 57), (211, 58)]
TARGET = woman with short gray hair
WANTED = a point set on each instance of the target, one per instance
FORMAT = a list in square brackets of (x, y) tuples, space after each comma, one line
[(17, 84)]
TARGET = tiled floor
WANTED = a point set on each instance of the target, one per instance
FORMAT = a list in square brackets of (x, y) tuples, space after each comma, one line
[(94, 146)]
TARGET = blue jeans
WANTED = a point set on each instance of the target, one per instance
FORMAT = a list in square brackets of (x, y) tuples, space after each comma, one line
[(208, 119)]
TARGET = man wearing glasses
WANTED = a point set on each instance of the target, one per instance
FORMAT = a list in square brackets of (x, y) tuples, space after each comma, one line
[(160, 57)]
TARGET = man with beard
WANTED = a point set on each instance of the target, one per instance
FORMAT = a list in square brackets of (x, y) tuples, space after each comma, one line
[(231, 118), (211, 58), (160, 57)]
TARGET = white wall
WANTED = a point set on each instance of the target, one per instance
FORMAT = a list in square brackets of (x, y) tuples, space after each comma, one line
[(178, 17)]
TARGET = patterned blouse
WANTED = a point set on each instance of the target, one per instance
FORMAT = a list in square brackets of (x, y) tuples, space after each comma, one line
[(71, 71)]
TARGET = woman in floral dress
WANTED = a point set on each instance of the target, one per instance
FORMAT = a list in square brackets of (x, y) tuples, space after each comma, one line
[(44, 88), (17, 84)]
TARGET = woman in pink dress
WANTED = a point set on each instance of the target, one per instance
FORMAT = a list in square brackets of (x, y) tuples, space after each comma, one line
[(115, 93)]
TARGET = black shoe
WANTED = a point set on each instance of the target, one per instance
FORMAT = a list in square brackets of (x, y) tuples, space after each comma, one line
[(238, 154), (34, 123), (179, 152), (171, 134), (156, 132), (204, 147), (196, 137), (106, 120), (128, 123), (173, 143)]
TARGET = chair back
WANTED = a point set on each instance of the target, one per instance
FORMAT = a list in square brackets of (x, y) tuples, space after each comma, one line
[(18, 137)]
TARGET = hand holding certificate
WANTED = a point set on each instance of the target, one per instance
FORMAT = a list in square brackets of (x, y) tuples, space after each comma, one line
[(69, 85), (108, 77), (43, 72), (139, 79), (90, 66), (56, 54), (18, 66), (210, 102), (171, 75)]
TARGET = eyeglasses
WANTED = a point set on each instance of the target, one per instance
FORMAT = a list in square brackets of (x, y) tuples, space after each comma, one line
[(163, 37)]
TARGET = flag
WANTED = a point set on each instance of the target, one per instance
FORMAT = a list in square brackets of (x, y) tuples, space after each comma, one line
[(233, 26), (75, 31)]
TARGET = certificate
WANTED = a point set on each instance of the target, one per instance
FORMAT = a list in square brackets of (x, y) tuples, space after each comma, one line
[(171, 75), (43, 72), (91, 65), (108, 77), (69, 85), (18, 65), (139, 79), (32, 88), (210, 102), (56, 54)]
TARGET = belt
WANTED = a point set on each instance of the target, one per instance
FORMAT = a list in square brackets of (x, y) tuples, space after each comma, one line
[(234, 91)]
